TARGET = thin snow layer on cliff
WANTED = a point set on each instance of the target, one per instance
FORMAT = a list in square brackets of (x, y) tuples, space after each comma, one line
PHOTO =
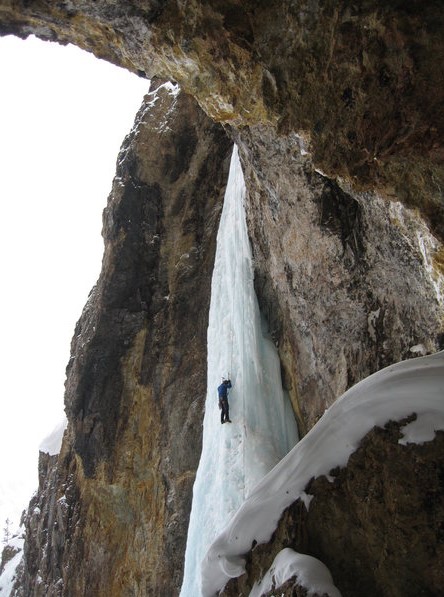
[(413, 386), (53, 442), (8, 576), (311, 574), (235, 456)]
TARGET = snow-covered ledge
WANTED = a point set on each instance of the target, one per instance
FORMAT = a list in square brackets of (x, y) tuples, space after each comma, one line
[(310, 573), (414, 386)]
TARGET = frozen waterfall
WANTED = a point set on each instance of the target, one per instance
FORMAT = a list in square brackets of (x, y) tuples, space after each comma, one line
[(235, 456)]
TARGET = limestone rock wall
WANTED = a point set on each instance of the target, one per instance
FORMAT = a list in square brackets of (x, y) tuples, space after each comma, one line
[(116, 505), (50, 524), (349, 283), (138, 378)]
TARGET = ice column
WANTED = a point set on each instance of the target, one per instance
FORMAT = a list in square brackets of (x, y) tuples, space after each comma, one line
[(235, 456)]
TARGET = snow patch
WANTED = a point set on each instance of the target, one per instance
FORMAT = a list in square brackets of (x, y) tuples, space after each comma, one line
[(419, 350), (423, 429), (53, 442), (306, 498), (9, 574), (372, 318), (172, 89), (7, 579), (310, 572), (428, 245)]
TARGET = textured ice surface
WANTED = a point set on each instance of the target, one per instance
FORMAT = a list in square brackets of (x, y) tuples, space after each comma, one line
[(235, 456)]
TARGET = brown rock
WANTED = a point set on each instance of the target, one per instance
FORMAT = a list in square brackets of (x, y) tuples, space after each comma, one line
[(115, 506), (341, 277)]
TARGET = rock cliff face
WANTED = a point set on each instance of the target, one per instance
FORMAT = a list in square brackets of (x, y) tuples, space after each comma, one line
[(115, 508), (338, 274), (334, 106)]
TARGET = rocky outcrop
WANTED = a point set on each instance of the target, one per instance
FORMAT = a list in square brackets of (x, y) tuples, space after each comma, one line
[(377, 523), (361, 82), (347, 281), (49, 521), (115, 506)]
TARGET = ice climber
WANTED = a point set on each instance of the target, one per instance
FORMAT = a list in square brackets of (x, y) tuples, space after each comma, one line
[(222, 391)]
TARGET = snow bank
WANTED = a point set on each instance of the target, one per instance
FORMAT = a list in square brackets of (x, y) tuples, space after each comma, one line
[(53, 442), (311, 574), (235, 456), (8, 575), (413, 386), (423, 429)]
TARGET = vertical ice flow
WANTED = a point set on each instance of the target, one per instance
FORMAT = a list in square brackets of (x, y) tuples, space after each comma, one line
[(235, 456)]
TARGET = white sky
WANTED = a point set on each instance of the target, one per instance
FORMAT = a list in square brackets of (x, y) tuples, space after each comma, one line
[(63, 116)]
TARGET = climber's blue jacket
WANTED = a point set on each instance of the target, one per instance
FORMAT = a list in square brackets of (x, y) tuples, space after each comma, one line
[(222, 390)]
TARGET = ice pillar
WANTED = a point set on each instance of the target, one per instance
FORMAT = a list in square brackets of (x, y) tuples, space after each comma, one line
[(235, 456)]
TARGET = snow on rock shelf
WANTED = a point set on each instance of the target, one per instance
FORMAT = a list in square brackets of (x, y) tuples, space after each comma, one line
[(394, 393), (8, 573), (310, 573)]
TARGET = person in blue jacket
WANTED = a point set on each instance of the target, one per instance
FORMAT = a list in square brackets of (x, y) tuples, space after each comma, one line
[(222, 391)]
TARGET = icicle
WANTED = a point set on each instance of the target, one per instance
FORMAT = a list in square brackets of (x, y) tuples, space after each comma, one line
[(235, 456)]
